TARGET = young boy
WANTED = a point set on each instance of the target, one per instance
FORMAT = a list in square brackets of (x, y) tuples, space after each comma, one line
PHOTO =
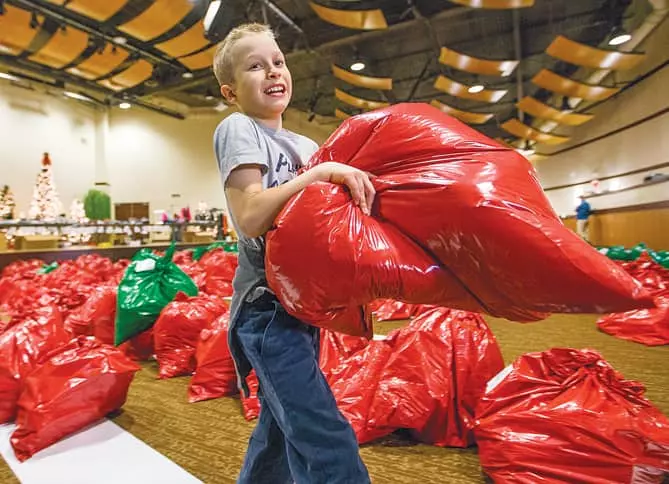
[(300, 436)]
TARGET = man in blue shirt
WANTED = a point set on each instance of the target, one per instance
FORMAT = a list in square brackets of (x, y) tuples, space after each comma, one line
[(582, 215)]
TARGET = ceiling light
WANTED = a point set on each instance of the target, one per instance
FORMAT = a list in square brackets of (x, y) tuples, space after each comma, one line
[(9, 77), (357, 66), (619, 36), (209, 17), (125, 105), (76, 95), (476, 88), (187, 75), (120, 40)]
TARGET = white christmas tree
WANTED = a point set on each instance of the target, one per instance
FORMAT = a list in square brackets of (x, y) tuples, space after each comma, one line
[(77, 211), (78, 235), (7, 203), (45, 204)]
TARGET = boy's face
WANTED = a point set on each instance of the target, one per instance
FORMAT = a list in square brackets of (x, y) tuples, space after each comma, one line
[(262, 85)]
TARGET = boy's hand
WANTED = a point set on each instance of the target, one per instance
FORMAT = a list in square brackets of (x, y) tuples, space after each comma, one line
[(358, 182)]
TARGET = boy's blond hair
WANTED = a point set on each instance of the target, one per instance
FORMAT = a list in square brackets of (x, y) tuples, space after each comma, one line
[(223, 61)]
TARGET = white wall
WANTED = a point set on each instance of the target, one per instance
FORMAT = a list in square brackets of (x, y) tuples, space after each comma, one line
[(145, 156), (642, 146), (32, 123)]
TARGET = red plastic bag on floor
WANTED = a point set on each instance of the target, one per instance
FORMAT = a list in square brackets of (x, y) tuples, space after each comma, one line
[(427, 378), (96, 316), (22, 349), (177, 331), (646, 326), (251, 404), (651, 275), (391, 310), (74, 388), (215, 374), (458, 220), (566, 415), (139, 347), (336, 348), (219, 264)]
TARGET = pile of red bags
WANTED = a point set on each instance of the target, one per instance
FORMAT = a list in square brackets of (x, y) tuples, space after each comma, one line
[(458, 220), (567, 416), (426, 377), (22, 348), (177, 331), (213, 273), (215, 374), (646, 326), (76, 386)]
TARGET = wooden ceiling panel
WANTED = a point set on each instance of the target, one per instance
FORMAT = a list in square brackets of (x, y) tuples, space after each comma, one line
[(521, 130), (583, 55), (475, 65), (567, 87), (495, 4), (464, 116), (100, 63), (341, 114), (379, 83), (351, 19), (15, 31), (160, 17), (62, 48), (456, 89), (536, 108), (99, 10), (200, 60), (358, 102), (186, 43), (137, 73)]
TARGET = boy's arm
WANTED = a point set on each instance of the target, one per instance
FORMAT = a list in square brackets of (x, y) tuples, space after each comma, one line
[(255, 209)]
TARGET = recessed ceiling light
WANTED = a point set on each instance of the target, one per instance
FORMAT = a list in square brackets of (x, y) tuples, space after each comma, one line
[(119, 40), (125, 105), (9, 77), (357, 66), (76, 95), (187, 75), (476, 88), (620, 38)]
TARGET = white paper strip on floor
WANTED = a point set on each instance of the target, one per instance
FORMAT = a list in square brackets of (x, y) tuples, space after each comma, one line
[(101, 454), (379, 337)]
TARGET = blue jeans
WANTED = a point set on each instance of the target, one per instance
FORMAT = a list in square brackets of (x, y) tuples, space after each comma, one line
[(301, 436)]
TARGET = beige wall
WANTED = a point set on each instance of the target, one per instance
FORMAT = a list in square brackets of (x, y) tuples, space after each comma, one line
[(642, 146), (145, 156)]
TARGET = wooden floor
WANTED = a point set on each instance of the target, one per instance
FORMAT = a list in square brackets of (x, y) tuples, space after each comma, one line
[(209, 438)]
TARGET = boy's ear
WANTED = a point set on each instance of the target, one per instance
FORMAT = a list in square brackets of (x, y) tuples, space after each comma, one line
[(228, 92)]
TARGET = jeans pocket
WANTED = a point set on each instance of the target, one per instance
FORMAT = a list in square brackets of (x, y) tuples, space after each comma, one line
[(266, 332)]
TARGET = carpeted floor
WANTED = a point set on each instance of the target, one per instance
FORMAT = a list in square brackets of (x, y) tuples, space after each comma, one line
[(209, 438)]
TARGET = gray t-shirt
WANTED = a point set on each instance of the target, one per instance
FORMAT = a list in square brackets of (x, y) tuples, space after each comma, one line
[(240, 140)]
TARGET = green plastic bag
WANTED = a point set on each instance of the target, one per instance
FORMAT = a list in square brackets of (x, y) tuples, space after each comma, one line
[(149, 284), (198, 252), (46, 268)]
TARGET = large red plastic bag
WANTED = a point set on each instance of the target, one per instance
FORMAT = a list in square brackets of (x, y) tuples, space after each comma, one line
[(646, 326), (336, 348), (77, 386), (219, 264), (566, 415), (426, 377), (458, 220), (96, 316), (177, 331), (215, 374), (390, 310), (22, 348), (149, 284)]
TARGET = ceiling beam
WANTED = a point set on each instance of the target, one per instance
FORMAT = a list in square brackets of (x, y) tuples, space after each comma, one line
[(51, 11)]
